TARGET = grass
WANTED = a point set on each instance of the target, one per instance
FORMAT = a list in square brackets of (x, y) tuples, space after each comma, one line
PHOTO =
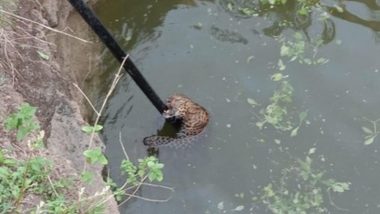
[(29, 176)]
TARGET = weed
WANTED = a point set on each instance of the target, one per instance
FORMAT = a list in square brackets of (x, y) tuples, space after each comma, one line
[(276, 113), (22, 178), (148, 166), (95, 156), (301, 190), (89, 129), (22, 121), (295, 49)]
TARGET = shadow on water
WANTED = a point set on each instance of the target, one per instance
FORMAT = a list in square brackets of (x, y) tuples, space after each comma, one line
[(222, 53)]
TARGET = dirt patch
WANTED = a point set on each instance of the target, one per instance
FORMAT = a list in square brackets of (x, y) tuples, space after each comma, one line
[(39, 66)]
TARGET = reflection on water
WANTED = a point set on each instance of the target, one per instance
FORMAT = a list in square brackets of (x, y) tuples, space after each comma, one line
[(221, 55)]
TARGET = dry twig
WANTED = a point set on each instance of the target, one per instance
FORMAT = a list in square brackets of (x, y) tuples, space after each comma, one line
[(42, 25)]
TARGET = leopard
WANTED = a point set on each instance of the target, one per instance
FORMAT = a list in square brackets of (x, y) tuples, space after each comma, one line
[(193, 121)]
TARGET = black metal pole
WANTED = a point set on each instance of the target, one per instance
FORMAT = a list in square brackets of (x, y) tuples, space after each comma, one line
[(115, 49)]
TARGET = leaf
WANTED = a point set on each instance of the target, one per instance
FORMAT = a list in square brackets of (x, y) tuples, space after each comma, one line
[(277, 77), (312, 150), (281, 65), (339, 8), (220, 205), (322, 60), (239, 208), (95, 156), (260, 125), (252, 102), (367, 130), (89, 129), (22, 120), (156, 175), (4, 172), (12, 122), (285, 50), (293, 58), (87, 176), (340, 186), (307, 61), (229, 6), (302, 116), (43, 55), (21, 134), (369, 140), (249, 59), (294, 132)]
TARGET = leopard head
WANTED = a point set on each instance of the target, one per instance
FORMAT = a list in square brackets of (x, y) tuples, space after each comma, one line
[(176, 107)]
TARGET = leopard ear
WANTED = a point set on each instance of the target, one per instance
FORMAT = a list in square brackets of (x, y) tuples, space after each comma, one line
[(169, 99)]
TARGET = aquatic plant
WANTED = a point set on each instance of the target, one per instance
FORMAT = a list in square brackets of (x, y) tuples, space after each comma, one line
[(301, 189), (371, 132)]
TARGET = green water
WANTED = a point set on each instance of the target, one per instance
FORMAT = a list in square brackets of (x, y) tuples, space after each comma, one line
[(220, 57)]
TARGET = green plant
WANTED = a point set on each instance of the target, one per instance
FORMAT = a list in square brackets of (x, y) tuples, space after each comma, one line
[(276, 112), (151, 167), (371, 132), (300, 190), (117, 192), (273, 2), (19, 178), (90, 129), (94, 156), (148, 167), (301, 117), (22, 121), (22, 178), (30, 176), (296, 49)]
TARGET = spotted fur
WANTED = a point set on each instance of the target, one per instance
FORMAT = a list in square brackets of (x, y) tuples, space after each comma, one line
[(194, 119)]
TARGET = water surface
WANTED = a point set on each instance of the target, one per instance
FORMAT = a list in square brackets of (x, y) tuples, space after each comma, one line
[(220, 59)]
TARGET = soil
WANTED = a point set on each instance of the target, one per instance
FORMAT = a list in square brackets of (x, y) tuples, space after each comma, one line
[(40, 67)]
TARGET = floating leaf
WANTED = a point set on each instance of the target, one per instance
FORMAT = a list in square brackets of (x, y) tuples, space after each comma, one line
[(239, 208), (302, 116), (229, 6), (294, 132), (249, 59), (312, 150), (369, 141), (285, 50), (322, 60), (260, 125), (367, 130), (281, 65), (252, 102), (277, 141), (220, 205), (340, 186), (277, 77), (307, 61)]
